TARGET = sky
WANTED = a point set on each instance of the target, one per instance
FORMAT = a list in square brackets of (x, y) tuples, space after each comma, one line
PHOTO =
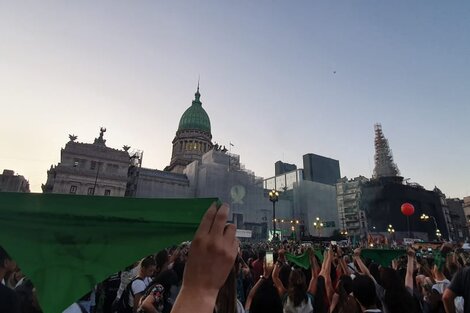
[(278, 79)]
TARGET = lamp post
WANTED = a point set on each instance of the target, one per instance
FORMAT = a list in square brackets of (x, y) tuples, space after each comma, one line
[(318, 224), (390, 230), (274, 197), (425, 218)]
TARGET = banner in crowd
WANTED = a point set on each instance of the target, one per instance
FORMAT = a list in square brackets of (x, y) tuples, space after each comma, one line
[(384, 257), (66, 244)]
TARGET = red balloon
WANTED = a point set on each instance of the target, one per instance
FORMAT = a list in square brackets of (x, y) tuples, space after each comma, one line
[(407, 209)]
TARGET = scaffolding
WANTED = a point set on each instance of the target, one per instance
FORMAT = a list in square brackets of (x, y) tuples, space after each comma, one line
[(384, 165)]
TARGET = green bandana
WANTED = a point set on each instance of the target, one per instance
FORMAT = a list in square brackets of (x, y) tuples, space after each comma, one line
[(67, 244), (439, 260), (303, 260), (384, 257)]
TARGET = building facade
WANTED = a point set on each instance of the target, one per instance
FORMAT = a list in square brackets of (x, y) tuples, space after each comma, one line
[(459, 229), (305, 201), (466, 210), (281, 168), (89, 169), (353, 221), (321, 169), (9, 182)]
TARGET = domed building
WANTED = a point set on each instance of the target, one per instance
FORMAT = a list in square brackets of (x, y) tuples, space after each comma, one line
[(193, 137)]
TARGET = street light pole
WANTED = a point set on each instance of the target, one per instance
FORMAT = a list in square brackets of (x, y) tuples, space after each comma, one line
[(318, 224), (425, 218), (274, 197)]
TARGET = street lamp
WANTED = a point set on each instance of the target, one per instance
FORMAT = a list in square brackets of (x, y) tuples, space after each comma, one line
[(318, 224), (425, 218), (438, 234), (274, 197), (390, 229)]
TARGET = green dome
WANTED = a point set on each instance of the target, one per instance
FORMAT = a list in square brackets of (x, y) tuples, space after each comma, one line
[(195, 117)]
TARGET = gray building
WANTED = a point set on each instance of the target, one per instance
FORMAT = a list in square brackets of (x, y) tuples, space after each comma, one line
[(89, 169), (281, 168), (304, 201), (348, 196), (466, 210), (321, 169), (458, 230), (9, 182)]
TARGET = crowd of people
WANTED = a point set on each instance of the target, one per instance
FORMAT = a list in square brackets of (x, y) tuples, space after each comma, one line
[(215, 273)]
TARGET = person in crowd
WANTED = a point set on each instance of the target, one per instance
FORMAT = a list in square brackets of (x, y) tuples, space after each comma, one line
[(26, 292), (263, 297), (227, 300), (158, 296), (9, 301), (162, 260), (138, 284), (126, 276), (343, 300), (459, 286), (297, 297), (257, 265), (393, 287), (363, 288)]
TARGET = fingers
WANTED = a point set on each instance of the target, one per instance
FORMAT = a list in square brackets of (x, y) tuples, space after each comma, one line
[(220, 220), (230, 231), (207, 220)]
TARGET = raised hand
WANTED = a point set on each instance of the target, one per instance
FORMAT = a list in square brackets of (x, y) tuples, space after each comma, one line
[(211, 257)]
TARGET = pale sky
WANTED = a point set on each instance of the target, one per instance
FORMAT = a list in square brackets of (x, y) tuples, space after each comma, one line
[(268, 81)]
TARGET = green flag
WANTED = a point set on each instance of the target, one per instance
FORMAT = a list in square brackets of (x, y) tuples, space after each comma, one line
[(303, 260), (67, 244), (383, 257)]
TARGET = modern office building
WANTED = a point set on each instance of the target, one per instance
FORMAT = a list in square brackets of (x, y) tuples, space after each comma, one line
[(321, 169)]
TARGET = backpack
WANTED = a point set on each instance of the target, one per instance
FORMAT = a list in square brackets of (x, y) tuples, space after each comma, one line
[(122, 305)]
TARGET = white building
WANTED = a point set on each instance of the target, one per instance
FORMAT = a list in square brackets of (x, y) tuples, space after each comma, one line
[(89, 169)]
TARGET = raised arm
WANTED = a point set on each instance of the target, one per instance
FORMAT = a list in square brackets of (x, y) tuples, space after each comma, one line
[(362, 266), (410, 268), (342, 263), (276, 280), (211, 257), (326, 272), (266, 273), (314, 268)]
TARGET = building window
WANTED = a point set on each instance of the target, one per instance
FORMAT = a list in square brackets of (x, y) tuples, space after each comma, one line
[(107, 192), (93, 165), (73, 189), (91, 191)]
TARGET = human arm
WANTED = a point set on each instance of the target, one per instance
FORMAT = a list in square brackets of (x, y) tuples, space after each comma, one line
[(326, 273), (147, 304), (362, 267), (276, 280), (211, 257), (448, 300), (137, 298), (315, 269), (266, 273), (410, 269), (342, 263)]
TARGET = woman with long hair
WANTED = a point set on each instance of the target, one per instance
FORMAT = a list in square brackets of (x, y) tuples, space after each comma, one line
[(297, 297), (263, 297)]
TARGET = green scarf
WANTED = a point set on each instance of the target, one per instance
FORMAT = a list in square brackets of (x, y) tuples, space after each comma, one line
[(303, 260), (67, 244), (384, 257)]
